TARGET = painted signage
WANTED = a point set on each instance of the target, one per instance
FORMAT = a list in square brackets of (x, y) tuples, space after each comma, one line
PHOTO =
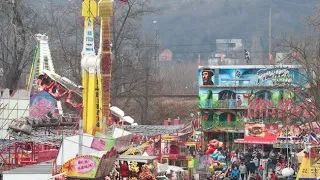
[(277, 76), (261, 132), (249, 76), (90, 167), (84, 165)]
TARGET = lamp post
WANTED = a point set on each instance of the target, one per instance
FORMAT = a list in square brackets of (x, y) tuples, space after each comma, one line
[(156, 54)]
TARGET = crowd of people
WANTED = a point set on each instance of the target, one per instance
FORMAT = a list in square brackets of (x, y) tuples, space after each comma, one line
[(246, 164)]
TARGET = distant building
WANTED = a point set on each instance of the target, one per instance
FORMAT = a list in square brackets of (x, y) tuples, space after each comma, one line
[(166, 55), (228, 52), (229, 45)]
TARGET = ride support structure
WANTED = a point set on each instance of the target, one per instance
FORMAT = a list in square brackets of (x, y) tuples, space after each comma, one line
[(42, 60), (96, 69), (105, 12), (89, 65)]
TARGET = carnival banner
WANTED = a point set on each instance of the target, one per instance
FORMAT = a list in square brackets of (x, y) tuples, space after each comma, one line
[(85, 166), (261, 132), (89, 166)]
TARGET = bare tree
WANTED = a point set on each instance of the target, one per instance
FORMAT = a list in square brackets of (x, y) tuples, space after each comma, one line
[(132, 61), (127, 38), (179, 78), (304, 50), (63, 23), (16, 38)]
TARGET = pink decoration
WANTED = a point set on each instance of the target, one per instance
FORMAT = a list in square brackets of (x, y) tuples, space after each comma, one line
[(255, 110), (176, 121), (98, 144), (280, 108), (261, 104), (267, 107), (165, 122), (293, 112)]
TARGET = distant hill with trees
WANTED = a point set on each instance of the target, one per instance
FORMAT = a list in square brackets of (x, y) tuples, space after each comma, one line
[(188, 27)]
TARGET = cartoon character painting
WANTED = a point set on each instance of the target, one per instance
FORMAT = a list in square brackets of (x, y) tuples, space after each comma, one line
[(213, 145), (216, 158), (42, 105)]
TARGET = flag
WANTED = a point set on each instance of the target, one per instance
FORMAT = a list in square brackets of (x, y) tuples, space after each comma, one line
[(222, 56), (312, 140), (270, 58), (295, 55)]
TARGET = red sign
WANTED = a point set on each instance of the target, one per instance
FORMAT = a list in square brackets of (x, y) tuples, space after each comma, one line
[(257, 132)]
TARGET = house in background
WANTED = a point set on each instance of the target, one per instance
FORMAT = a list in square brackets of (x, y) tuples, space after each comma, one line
[(165, 55)]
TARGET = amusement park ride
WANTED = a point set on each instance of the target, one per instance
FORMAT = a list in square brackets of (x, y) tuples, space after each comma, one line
[(57, 104), (41, 132)]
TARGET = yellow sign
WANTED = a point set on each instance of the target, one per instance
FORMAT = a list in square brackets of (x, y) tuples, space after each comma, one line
[(310, 168), (190, 143), (169, 138)]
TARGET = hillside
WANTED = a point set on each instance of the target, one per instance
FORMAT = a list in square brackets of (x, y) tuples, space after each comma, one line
[(191, 26)]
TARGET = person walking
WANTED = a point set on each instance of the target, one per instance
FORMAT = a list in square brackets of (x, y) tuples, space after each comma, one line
[(235, 174), (260, 171), (243, 170)]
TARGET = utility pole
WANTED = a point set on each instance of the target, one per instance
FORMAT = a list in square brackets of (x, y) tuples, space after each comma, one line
[(80, 137), (270, 25), (156, 46)]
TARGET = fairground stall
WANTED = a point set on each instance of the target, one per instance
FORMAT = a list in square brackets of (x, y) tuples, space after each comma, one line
[(259, 135), (230, 96)]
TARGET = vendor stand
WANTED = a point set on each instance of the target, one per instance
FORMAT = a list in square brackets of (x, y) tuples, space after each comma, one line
[(175, 151)]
